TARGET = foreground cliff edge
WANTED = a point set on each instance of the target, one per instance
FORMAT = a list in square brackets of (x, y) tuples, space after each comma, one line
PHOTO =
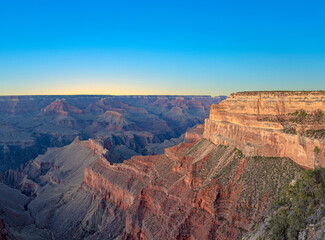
[(219, 187), (282, 124)]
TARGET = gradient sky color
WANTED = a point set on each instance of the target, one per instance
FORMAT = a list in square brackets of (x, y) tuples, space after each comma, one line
[(160, 47)]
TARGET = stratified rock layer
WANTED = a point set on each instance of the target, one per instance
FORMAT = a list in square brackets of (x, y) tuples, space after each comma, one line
[(195, 190), (192, 191), (31, 124), (194, 134), (256, 122), (272, 102)]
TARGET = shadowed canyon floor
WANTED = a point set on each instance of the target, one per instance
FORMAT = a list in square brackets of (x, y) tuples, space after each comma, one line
[(127, 125)]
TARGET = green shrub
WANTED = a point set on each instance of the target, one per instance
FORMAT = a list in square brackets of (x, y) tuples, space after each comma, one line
[(319, 133), (279, 224), (317, 150), (318, 116), (296, 203), (240, 153), (300, 116), (291, 130)]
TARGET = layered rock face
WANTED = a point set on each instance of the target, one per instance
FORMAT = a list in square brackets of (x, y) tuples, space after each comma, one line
[(192, 191), (47, 184), (272, 102), (201, 189), (60, 107), (31, 124), (283, 124), (194, 134)]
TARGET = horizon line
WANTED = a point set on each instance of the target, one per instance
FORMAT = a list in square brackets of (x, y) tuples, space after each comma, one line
[(172, 95)]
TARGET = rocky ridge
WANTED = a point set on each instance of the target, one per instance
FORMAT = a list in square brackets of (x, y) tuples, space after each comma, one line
[(197, 191), (272, 124), (194, 190)]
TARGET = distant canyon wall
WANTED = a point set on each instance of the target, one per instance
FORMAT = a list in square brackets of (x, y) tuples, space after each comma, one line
[(31, 124)]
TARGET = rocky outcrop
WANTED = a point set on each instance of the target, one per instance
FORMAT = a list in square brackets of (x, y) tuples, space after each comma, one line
[(271, 124), (61, 107), (194, 134), (103, 180), (192, 191), (271, 102)]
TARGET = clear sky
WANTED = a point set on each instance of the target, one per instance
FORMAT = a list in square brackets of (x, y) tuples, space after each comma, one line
[(160, 47)]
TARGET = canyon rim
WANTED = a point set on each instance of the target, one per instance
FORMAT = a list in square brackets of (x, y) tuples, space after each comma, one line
[(219, 183)]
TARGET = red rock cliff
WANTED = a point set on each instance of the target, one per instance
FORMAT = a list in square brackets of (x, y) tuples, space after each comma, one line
[(192, 191), (283, 124)]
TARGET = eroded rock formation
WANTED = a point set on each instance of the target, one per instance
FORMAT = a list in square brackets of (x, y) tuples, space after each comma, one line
[(31, 124), (202, 189), (283, 124), (196, 191), (194, 134)]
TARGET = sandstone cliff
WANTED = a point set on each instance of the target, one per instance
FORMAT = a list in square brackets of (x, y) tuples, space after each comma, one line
[(283, 124)]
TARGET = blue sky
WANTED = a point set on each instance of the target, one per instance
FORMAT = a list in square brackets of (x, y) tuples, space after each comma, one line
[(160, 47)]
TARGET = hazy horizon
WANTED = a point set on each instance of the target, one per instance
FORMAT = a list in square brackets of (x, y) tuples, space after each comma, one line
[(153, 95)]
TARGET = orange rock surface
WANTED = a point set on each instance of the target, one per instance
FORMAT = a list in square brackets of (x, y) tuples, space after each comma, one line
[(240, 121), (270, 103)]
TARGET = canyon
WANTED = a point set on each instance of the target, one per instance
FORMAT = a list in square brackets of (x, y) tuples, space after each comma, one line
[(194, 190), (218, 183), (128, 125)]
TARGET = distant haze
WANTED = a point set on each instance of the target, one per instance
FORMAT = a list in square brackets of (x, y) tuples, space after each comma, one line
[(160, 47)]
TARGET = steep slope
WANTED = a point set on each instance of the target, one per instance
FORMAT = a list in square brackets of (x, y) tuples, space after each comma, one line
[(283, 124), (194, 134), (17, 222), (199, 191), (298, 211), (60, 107), (48, 182), (194, 190)]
